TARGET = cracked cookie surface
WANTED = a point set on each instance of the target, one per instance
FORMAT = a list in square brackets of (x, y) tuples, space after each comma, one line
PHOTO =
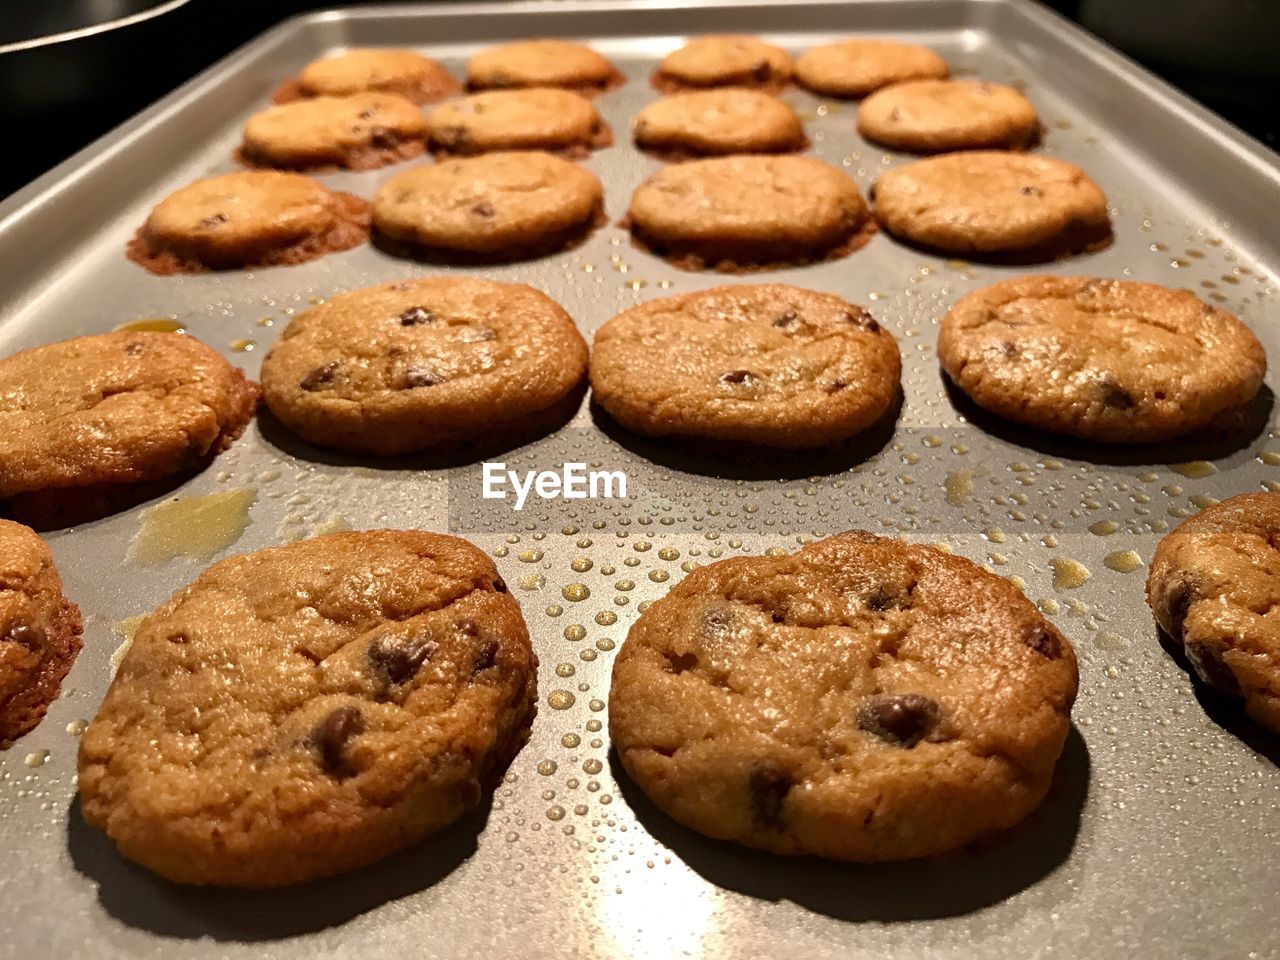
[(534, 118), (749, 212), (432, 362), (933, 116), (855, 68), (542, 63), (1106, 360), (251, 218), (770, 365), (862, 699), (114, 409), (362, 131), (310, 709), (507, 205), (402, 72), (988, 202), (723, 120), (724, 61), (1214, 587), (39, 631)]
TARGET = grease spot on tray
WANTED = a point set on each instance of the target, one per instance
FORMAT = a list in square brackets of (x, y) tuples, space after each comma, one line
[(196, 527)]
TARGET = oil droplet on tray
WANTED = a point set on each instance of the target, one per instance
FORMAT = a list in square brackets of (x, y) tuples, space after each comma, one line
[(1069, 574), (1123, 561), (1195, 469), (959, 487), (195, 527), (1104, 528), (154, 325)]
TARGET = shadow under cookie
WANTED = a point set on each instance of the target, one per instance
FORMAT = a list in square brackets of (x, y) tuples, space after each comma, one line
[(947, 886), (1076, 241), (735, 256), (553, 242)]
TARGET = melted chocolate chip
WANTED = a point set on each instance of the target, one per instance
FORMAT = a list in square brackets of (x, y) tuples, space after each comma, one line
[(1212, 669), (29, 635), (761, 71), (894, 115), (1043, 640), (487, 657), (1178, 601), (416, 316), (768, 786), (332, 735), (398, 659), (681, 662), (1008, 348), (468, 627), (884, 597), (1030, 191), (133, 349), (214, 220), (382, 137), (717, 621), (835, 386), (1114, 395), (737, 376), (863, 319), (421, 375), (787, 319), (903, 719), (483, 209), (366, 114), (321, 377)]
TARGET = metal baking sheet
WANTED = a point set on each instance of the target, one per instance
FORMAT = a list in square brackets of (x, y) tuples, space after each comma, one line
[(1160, 837)]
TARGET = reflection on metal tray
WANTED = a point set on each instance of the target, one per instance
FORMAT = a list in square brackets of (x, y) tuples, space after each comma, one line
[(1159, 840)]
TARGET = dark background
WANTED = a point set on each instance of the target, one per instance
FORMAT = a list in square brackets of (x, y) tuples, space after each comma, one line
[(1223, 52)]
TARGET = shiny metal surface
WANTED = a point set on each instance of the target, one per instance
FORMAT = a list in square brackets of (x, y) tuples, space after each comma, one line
[(1160, 838)]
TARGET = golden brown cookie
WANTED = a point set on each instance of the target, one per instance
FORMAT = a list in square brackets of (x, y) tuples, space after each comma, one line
[(39, 631), (854, 68), (988, 203), (723, 120), (401, 72), (494, 207), (934, 116), (1106, 360), (362, 131), (862, 699), (744, 212), (530, 118), (724, 61), (306, 710), (542, 63), (248, 219), (1215, 589), (770, 365), (427, 363), (116, 409)]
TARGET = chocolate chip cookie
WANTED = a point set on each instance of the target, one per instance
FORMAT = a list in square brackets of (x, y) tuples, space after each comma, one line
[(854, 68), (768, 365), (495, 207), (723, 120), (1214, 586), (39, 631), (542, 63), (248, 219), (401, 72), (862, 699), (532, 118), (306, 710), (724, 61), (749, 211), (990, 203), (104, 412), (362, 131), (434, 362), (934, 116), (1106, 360)]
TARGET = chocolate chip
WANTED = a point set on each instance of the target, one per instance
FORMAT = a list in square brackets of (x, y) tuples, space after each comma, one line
[(483, 209), (477, 335), (1178, 600), (398, 659), (416, 316), (321, 377), (214, 220), (1043, 639), (29, 635), (903, 719), (768, 786), (1114, 395), (894, 115), (487, 657), (1030, 191), (737, 376), (1008, 348), (366, 114), (421, 375), (787, 319), (499, 584), (863, 319), (382, 137), (761, 71), (467, 626), (717, 621), (884, 597), (1210, 667), (835, 386), (333, 734), (681, 662), (133, 349), (178, 638)]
